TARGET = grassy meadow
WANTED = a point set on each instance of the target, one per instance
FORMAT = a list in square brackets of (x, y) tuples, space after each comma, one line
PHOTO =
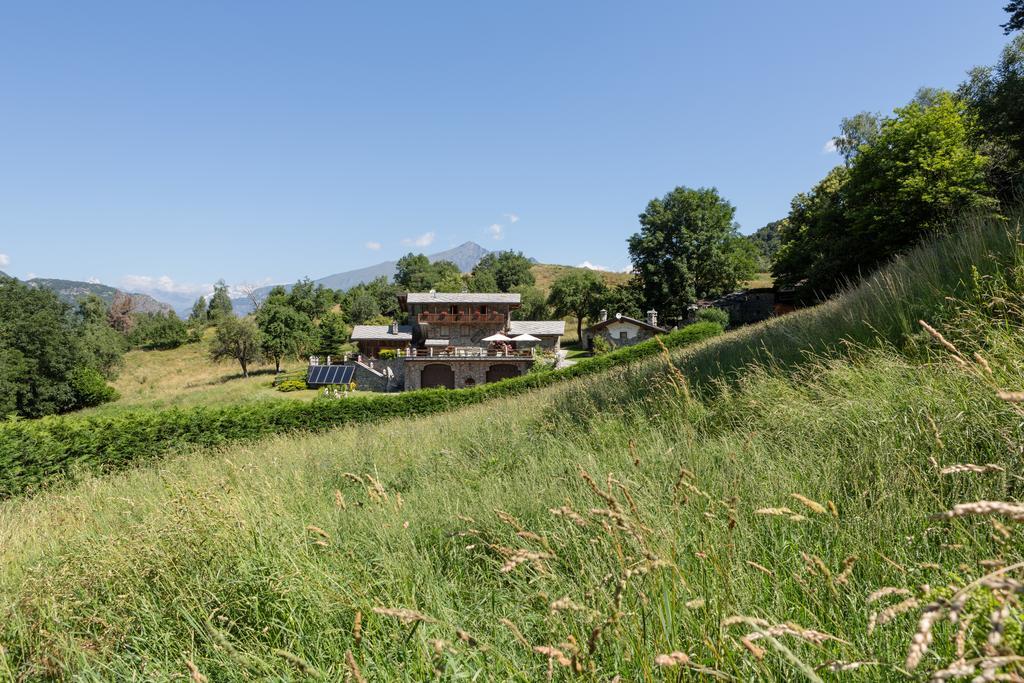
[(185, 377), (767, 505)]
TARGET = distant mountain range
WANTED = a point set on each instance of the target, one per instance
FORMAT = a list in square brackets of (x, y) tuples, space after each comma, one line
[(71, 291), (465, 256)]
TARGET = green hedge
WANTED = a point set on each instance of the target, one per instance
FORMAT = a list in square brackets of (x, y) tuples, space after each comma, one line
[(35, 453)]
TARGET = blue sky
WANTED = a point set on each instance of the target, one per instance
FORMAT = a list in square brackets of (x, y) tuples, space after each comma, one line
[(161, 146)]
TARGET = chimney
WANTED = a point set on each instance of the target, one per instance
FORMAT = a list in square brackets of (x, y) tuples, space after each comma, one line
[(652, 317), (604, 315), (394, 327)]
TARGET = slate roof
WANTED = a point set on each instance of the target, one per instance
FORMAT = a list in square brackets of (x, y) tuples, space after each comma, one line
[(462, 298), (381, 333), (537, 327), (619, 318)]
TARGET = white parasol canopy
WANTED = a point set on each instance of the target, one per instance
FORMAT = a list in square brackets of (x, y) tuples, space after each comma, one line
[(497, 337), (525, 338)]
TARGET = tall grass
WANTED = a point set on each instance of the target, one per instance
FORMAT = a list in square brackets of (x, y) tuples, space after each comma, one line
[(503, 542), (937, 281)]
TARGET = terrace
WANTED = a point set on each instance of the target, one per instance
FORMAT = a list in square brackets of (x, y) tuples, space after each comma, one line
[(464, 353)]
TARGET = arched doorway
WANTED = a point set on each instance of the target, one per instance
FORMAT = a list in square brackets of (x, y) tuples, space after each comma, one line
[(436, 375), (501, 371)]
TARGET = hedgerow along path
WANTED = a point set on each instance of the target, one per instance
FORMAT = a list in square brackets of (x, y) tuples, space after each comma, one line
[(34, 454)]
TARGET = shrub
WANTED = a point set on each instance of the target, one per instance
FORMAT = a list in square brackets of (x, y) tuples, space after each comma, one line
[(292, 385), (387, 354), (600, 345), (91, 388), (35, 453), (713, 315)]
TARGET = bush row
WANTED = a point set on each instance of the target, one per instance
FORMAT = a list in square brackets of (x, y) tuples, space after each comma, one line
[(35, 453)]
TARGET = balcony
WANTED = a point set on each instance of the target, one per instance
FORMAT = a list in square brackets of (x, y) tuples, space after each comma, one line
[(466, 353), (461, 318)]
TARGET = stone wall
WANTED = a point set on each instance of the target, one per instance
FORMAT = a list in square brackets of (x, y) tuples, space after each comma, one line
[(468, 373), (370, 375), (613, 334)]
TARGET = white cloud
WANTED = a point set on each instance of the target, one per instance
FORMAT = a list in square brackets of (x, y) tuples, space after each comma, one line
[(424, 240), (30, 276), (164, 284), (512, 217), (373, 246), (593, 266), (830, 147), (496, 231), (94, 280), (4, 259)]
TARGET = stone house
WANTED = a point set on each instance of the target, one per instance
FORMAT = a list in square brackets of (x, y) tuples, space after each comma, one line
[(444, 343), (622, 330)]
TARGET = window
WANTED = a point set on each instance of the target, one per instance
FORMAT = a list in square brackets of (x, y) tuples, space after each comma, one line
[(453, 309), (623, 336), (483, 310)]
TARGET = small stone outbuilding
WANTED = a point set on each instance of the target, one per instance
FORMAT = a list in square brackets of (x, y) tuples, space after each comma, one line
[(622, 330), (372, 339)]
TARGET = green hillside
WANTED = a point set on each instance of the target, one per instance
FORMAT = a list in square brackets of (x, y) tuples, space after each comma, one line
[(762, 506), (547, 273)]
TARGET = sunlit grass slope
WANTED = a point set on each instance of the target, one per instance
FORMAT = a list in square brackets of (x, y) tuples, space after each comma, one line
[(186, 376), (654, 523)]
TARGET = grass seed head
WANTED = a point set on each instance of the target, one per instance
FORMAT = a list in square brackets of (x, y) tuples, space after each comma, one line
[(812, 505), (406, 616), (1012, 511), (672, 659), (553, 653), (922, 638), (194, 674), (353, 668)]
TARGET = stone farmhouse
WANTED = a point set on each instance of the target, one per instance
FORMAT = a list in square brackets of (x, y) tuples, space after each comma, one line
[(453, 340), (622, 330)]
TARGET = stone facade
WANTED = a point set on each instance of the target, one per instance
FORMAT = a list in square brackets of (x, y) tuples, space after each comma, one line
[(371, 375), (622, 330), (462, 373), (620, 334)]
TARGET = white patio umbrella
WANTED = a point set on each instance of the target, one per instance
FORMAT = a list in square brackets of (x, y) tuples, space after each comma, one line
[(497, 337), (525, 338)]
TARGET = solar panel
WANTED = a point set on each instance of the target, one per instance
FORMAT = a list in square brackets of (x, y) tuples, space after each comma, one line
[(322, 375)]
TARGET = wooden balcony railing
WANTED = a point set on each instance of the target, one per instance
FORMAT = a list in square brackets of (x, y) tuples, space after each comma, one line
[(467, 353), (461, 318)]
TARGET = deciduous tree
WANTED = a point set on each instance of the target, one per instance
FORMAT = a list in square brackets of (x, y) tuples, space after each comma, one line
[(685, 249), (507, 269), (220, 303), (578, 293), (238, 339), (283, 331)]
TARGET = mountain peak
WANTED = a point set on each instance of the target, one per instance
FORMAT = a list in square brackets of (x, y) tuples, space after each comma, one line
[(465, 256)]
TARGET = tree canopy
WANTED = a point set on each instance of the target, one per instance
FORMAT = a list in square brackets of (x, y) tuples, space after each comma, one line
[(416, 273), (578, 293), (220, 302), (507, 269), (1015, 8), (237, 339), (686, 249), (46, 363), (283, 331)]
